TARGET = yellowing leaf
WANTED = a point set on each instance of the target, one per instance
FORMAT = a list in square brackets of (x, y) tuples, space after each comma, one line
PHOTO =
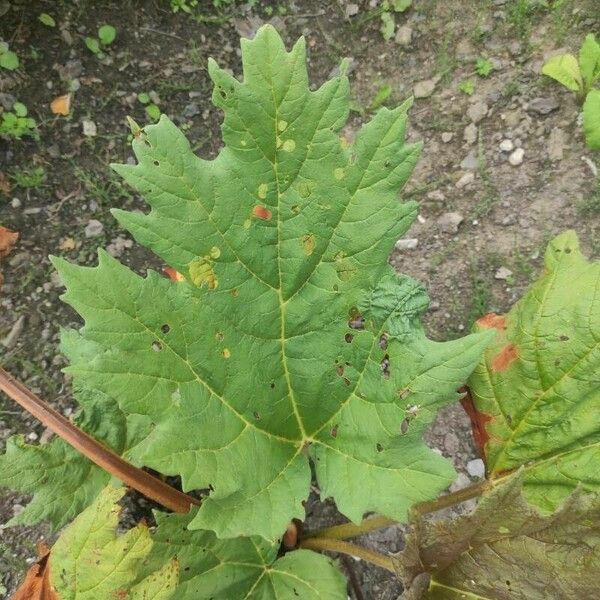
[(61, 105), (565, 69)]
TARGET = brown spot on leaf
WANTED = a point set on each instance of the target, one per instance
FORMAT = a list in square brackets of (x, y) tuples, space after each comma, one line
[(479, 422), (36, 585), (504, 358), (492, 321), (172, 274), (262, 212), (334, 431)]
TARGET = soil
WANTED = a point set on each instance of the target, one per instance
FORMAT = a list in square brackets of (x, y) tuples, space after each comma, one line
[(483, 222)]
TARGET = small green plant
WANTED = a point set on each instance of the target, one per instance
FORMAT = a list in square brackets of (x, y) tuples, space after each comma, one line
[(383, 93), (150, 102), (16, 124), (388, 21), (47, 20), (8, 59), (580, 76), (283, 352), (106, 36), (28, 178), (183, 5), (483, 67), (467, 86)]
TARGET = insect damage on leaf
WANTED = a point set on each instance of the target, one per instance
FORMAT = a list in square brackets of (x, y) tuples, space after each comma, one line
[(283, 239)]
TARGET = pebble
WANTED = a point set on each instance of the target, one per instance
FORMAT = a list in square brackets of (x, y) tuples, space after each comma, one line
[(89, 128), (93, 228), (461, 482), (476, 468), (516, 157), (403, 35), (351, 9), (447, 136), (477, 111), (15, 203), (436, 196), (449, 222), (543, 106), (465, 180), (407, 244), (15, 332), (503, 273), (556, 144), (470, 133), (424, 89), (470, 162), (118, 246), (507, 145)]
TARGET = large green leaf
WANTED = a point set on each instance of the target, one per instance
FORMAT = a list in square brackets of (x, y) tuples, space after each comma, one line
[(565, 69), (90, 561), (591, 119), (589, 60), (537, 389), (290, 336), (505, 549)]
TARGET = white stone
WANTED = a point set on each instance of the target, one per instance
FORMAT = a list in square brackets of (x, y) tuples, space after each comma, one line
[(89, 128), (450, 221), (476, 468), (93, 228), (407, 244), (477, 112), (470, 133), (503, 273), (424, 89), (516, 158), (403, 35), (447, 137), (465, 180), (507, 145)]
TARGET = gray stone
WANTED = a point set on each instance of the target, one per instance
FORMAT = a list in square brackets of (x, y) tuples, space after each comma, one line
[(12, 337), (93, 228), (465, 180), (351, 9), (447, 136), (403, 35), (556, 144), (543, 106), (449, 222), (424, 89), (507, 146), (477, 111), (470, 162), (89, 128), (470, 133)]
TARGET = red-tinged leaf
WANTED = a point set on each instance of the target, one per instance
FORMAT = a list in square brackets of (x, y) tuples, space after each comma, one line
[(37, 581), (492, 321), (479, 421), (173, 275), (61, 105)]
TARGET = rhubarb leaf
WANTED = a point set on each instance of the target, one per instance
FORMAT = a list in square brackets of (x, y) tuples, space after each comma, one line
[(289, 336), (90, 560), (505, 549), (537, 389)]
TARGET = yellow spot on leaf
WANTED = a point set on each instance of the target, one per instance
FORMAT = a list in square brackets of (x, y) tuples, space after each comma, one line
[(308, 243), (338, 173), (226, 353), (202, 272), (263, 188), (247, 224), (289, 145), (304, 189), (282, 125), (344, 143), (215, 252)]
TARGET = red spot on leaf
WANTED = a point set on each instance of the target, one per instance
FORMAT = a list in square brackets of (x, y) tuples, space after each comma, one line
[(504, 358), (479, 422), (261, 212), (492, 320), (172, 274)]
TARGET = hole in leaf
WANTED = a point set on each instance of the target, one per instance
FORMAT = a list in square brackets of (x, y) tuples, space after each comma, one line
[(256, 415), (385, 366), (156, 163), (357, 322), (346, 381), (379, 447), (564, 338), (339, 369), (348, 337), (165, 328), (272, 385), (156, 346), (404, 425), (383, 341), (219, 336), (334, 431)]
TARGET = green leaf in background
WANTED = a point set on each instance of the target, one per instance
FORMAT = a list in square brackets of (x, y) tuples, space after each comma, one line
[(388, 25), (20, 109), (537, 388), (92, 44), (400, 5), (565, 70), (290, 336), (47, 20), (9, 60), (589, 60), (144, 97), (505, 549), (383, 93), (90, 561), (591, 119), (153, 112), (107, 34)]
